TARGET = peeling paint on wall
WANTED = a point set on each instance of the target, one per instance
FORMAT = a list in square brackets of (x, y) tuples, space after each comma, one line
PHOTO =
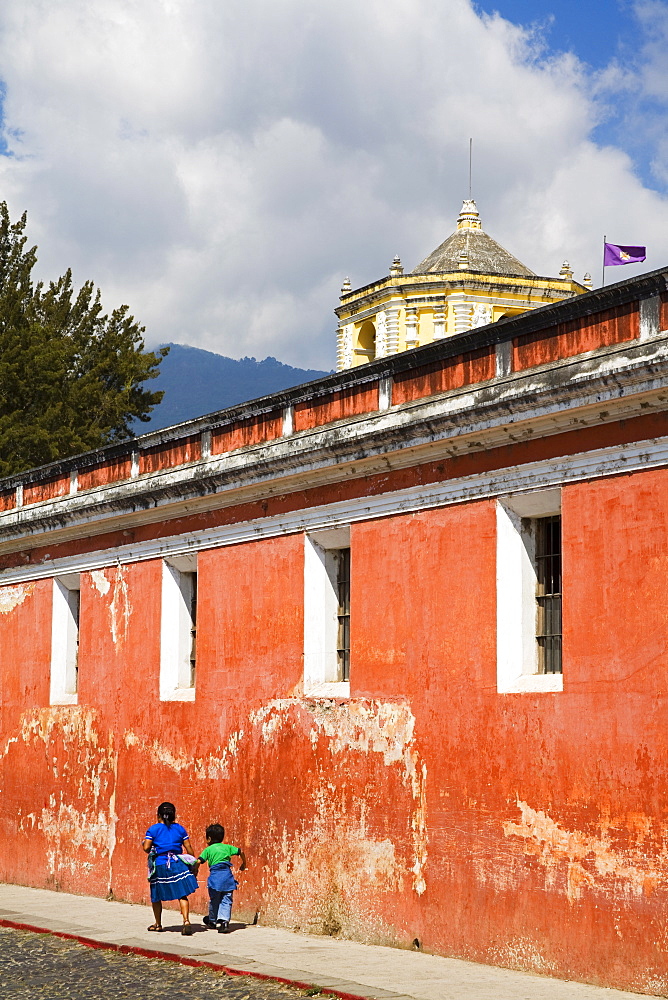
[(214, 766), (8, 745), (386, 728), (73, 722), (120, 608), (111, 832), (418, 776), (66, 830), (333, 861), (13, 595), (78, 829), (591, 861), (99, 580), (522, 953)]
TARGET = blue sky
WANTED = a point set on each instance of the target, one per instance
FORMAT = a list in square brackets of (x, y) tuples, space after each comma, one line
[(221, 167), (595, 30), (610, 38)]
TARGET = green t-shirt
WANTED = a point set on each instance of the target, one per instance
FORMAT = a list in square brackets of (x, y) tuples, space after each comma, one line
[(215, 853)]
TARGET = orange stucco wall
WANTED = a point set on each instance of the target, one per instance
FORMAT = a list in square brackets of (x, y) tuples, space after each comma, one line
[(166, 456), (663, 311), (577, 336), (528, 830), (34, 492), (242, 433), (465, 369), (335, 406), (546, 821), (105, 472)]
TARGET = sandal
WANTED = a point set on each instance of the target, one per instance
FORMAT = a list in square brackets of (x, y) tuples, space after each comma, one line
[(154, 927), (186, 929)]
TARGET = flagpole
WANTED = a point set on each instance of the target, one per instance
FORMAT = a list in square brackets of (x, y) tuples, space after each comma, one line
[(603, 268)]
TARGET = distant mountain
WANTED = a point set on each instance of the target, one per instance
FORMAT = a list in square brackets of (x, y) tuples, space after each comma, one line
[(198, 382)]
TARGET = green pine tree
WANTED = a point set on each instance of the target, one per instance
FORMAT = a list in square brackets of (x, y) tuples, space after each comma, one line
[(71, 377)]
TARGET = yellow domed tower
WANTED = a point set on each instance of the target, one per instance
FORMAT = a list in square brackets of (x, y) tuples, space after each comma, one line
[(470, 280)]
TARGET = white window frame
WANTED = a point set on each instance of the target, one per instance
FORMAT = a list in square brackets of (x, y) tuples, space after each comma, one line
[(65, 596), (321, 668), (176, 626), (516, 646)]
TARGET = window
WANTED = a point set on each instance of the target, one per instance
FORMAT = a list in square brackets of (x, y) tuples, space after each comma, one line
[(178, 633), (327, 613), (342, 559), (191, 585), (65, 607), (366, 340), (529, 593), (548, 593)]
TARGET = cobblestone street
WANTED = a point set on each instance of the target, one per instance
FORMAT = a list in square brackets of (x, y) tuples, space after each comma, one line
[(41, 966)]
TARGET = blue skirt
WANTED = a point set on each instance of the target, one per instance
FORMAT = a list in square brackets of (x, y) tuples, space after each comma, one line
[(173, 881)]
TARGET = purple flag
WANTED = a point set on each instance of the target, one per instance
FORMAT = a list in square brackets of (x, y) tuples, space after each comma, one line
[(622, 255)]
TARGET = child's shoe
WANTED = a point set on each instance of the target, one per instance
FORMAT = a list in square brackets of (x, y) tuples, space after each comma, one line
[(223, 926), (208, 922)]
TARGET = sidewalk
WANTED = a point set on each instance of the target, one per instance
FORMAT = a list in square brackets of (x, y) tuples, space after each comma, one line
[(345, 968)]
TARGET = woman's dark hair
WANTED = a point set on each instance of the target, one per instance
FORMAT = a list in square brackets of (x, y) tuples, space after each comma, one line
[(215, 833), (167, 812)]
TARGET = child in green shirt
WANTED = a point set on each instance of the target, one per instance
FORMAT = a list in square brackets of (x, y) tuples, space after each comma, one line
[(221, 882)]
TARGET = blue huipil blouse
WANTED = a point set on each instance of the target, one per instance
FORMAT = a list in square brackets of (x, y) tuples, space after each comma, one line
[(166, 840)]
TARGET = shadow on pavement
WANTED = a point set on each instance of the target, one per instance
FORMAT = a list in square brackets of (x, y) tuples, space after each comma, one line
[(200, 929)]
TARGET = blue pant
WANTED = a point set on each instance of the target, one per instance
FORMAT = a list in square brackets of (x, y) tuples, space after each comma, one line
[(220, 905)]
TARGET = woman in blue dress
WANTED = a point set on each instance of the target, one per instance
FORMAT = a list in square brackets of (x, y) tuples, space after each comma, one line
[(169, 877)]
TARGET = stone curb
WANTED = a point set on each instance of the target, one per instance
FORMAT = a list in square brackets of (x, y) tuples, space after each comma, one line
[(125, 949)]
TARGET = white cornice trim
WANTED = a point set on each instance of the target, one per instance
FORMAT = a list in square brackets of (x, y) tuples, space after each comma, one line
[(589, 390), (605, 462)]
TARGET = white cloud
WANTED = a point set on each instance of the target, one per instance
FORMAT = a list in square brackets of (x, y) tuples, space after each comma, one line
[(221, 167)]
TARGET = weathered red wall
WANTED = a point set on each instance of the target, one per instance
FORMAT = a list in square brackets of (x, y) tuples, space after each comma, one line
[(57, 763), (663, 311), (106, 472), (166, 456), (34, 492), (344, 403), (547, 829), (465, 369), (242, 433), (527, 830), (577, 336)]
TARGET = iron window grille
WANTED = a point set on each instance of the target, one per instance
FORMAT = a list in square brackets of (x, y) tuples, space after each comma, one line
[(548, 594), (74, 597), (193, 627), (343, 614)]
